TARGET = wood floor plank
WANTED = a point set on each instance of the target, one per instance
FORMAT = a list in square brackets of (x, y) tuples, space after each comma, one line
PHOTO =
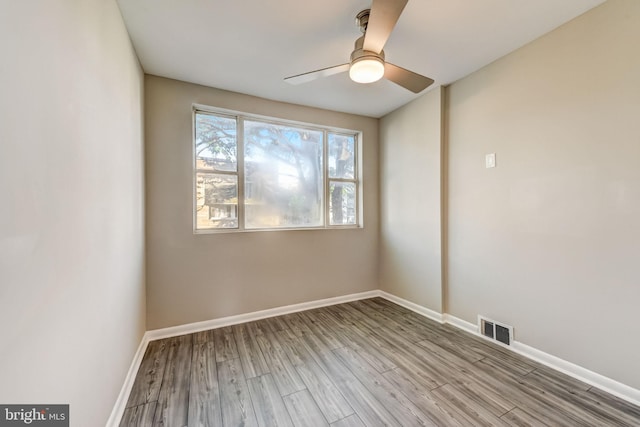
[(204, 391), (389, 322), (497, 385), (296, 324), (560, 379), (440, 414), (582, 400), (364, 404), (540, 403), (405, 412), (519, 418), (357, 339), (402, 353), (615, 402), (284, 373), (467, 409), (460, 348), (509, 364), (139, 416), (303, 410), (350, 421), (446, 336), (267, 403), (314, 320), (225, 344), (327, 396), (450, 365), (276, 324), (338, 313), (361, 317), (379, 352), (460, 368), (173, 400), (203, 336), (288, 342), (485, 374), (515, 395), (489, 398), (420, 366), (453, 340), (253, 362), (470, 351), (146, 386), (404, 316), (485, 347), (235, 401)]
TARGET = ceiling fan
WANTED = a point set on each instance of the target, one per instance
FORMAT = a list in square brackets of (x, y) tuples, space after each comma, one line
[(367, 63)]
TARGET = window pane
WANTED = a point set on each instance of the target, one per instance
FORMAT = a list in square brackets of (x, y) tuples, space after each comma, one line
[(341, 156), (283, 176), (216, 147), (216, 201), (342, 206)]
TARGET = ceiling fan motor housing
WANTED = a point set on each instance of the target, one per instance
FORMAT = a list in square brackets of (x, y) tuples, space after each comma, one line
[(359, 53), (366, 66)]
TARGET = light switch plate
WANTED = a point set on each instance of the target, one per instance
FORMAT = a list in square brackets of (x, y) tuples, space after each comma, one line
[(490, 160)]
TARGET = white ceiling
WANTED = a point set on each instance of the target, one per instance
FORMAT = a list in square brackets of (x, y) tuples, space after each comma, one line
[(249, 46)]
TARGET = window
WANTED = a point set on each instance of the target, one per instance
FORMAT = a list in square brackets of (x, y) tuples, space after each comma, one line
[(256, 173)]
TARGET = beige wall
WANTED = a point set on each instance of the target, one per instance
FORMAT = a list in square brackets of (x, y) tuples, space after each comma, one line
[(410, 243), (549, 241), (200, 277), (71, 218)]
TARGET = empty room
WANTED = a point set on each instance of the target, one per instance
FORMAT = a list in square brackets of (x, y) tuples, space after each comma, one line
[(340, 213)]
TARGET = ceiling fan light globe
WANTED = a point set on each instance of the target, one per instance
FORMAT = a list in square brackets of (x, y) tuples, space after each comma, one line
[(366, 70)]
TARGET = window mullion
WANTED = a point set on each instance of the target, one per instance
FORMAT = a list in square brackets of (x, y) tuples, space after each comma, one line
[(325, 177), (344, 180), (216, 172), (241, 185), (356, 175)]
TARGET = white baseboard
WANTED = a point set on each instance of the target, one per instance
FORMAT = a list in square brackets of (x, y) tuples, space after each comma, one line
[(256, 315), (123, 396), (424, 311), (607, 384), (461, 324)]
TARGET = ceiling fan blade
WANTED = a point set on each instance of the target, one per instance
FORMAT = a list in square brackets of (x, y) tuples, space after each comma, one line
[(407, 79), (313, 75), (382, 18)]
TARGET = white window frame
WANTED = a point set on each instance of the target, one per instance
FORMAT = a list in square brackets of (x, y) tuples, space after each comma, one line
[(240, 117)]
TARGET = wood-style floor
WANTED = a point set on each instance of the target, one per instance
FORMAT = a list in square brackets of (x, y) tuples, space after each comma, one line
[(365, 363)]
